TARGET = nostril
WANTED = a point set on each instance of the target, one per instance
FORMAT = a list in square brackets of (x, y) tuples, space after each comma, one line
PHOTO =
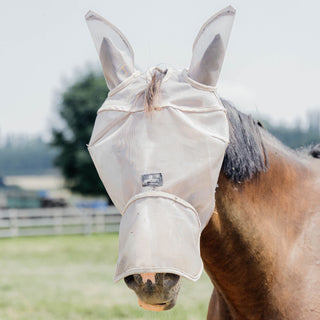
[(137, 278), (133, 281), (171, 279), (129, 280)]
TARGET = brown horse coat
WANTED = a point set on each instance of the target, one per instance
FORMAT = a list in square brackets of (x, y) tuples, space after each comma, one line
[(261, 247)]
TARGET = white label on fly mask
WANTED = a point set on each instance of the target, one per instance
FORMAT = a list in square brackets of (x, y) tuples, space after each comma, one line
[(152, 180)]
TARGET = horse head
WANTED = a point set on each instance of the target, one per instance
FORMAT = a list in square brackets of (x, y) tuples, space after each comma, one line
[(158, 144)]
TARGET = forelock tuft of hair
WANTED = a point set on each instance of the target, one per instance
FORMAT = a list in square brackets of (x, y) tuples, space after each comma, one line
[(152, 93), (245, 156)]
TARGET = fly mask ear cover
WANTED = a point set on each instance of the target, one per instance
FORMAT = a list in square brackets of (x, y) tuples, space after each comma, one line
[(160, 170)]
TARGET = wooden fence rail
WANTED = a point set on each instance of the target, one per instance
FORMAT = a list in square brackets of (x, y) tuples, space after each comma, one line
[(55, 221)]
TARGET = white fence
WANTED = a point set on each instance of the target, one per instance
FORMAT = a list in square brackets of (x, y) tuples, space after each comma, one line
[(55, 221)]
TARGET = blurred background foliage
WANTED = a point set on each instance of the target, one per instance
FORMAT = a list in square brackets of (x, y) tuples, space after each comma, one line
[(77, 111), (297, 136)]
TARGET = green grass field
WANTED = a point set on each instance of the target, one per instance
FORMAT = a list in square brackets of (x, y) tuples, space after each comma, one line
[(71, 277)]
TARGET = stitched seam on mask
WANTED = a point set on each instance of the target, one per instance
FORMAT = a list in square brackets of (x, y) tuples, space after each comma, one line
[(105, 131), (209, 109), (160, 194), (123, 84), (210, 135), (196, 84)]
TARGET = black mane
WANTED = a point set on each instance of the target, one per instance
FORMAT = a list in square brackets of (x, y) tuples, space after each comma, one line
[(315, 151), (245, 156)]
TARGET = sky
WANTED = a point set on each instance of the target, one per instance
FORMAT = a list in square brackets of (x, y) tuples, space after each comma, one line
[(272, 65)]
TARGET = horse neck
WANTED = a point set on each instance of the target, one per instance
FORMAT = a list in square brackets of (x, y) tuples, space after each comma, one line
[(250, 235)]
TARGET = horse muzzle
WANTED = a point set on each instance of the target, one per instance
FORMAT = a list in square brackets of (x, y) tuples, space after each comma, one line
[(155, 291)]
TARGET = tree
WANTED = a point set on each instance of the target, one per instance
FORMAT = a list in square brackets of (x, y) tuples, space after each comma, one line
[(77, 110)]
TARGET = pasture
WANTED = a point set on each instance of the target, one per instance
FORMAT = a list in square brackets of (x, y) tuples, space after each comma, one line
[(71, 277)]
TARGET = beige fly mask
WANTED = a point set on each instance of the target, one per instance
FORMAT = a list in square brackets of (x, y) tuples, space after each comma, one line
[(161, 167)]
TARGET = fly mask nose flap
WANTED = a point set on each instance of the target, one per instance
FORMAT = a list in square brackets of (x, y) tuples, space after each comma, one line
[(159, 233)]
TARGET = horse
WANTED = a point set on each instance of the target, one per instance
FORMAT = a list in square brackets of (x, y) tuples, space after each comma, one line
[(260, 244)]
